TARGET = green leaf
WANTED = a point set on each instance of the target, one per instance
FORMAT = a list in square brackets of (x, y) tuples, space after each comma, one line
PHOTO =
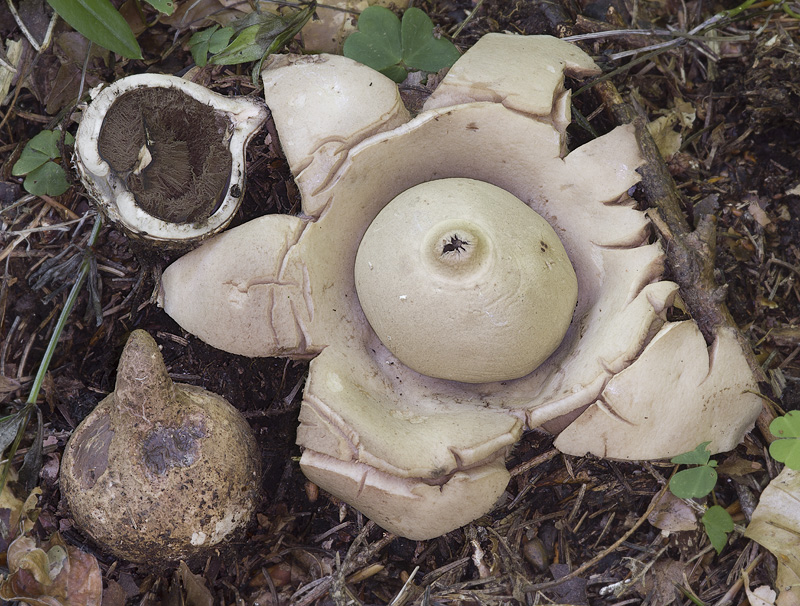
[(101, 23), (46, 142), (48, 179), (211, 40), (694, 482), (698, 456), (243, 49), (385, 44), (397, 73), (260, 34), (219, 40), (718, 524), (199, 45), (377, 43), (421, 50), (786, 451), (9, 426), (163, 6), (40, 149), (787, 426), (293, 27), (29, 160)]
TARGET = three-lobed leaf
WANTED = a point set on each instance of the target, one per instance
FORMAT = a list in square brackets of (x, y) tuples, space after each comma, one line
[(718, 524), (787, 449), (46, 142), (378, 42), (787, 426), (41, 148), (48, 179), (29, 161), (101, 23), (787, 452), (390, 46), (43, 176)]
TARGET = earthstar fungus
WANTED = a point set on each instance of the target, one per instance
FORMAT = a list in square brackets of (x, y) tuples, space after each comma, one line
[(164, 157), (422, 455), (160, 471)]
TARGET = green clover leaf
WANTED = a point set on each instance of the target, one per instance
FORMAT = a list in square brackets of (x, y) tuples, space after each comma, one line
[(385, 44), (48, 179), (787, 449), (787, 426), (378, 42), (421, 50), (43, 176)]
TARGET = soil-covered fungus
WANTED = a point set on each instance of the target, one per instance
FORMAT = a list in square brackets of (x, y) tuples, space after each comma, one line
[(438, 342), (165, 157), (160, 471)]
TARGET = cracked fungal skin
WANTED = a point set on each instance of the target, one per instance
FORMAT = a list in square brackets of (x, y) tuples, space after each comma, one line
[(419, 454), (160, 471)]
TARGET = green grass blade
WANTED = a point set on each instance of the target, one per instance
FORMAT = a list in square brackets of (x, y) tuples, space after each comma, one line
[(101, 23)]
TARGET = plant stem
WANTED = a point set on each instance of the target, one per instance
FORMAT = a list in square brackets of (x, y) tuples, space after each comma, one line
[(30, 404), (62, 319)]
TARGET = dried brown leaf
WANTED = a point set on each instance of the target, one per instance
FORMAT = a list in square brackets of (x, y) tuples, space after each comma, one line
[(114, 595), (663, 581), (53, 574), (197, 594), (672, 514), (8, 385), (760, 596), (738, 467)]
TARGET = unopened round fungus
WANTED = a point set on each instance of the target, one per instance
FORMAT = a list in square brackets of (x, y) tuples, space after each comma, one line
[(160, 471)]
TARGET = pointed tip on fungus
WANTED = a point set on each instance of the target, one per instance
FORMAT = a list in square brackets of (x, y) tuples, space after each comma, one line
[(141, 370)]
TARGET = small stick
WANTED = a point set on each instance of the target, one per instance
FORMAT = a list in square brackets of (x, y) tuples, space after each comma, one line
[(690, 253), (596, 559)]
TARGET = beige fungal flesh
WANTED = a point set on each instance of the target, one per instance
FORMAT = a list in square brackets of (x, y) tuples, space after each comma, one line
[(454, 265), (418, 452)]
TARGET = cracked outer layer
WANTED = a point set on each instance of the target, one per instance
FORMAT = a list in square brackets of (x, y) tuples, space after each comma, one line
[(419, 455)]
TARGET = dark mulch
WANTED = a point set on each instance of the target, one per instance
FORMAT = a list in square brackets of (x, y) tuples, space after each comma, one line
[(739, 161)]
